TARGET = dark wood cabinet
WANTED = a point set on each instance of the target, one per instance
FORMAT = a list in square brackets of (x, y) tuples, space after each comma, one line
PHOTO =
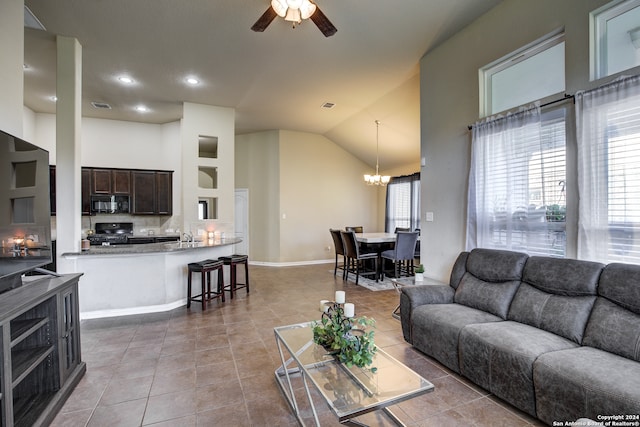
[(85, 176), (121, 181), (144, 192), (151, 191), (164, 190), (110, 181), (40, 349), (101, 181)]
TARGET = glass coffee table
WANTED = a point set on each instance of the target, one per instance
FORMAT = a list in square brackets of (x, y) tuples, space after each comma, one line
[(349, 392)]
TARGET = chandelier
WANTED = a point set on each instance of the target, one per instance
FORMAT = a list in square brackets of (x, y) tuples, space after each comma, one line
[(377, 179), (293, 10)]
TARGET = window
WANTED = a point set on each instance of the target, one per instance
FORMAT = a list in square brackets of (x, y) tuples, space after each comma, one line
[(540, 65), (613, 29), (517, 183), (608, 133), (403, 203)]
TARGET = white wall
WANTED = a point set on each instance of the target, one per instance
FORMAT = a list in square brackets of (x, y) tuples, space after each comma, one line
[(449, 103)]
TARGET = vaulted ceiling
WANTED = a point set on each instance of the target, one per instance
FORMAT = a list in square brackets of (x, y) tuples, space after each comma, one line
[(277, 79)]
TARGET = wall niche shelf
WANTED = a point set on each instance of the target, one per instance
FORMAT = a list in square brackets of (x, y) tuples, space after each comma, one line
[(39, 349)]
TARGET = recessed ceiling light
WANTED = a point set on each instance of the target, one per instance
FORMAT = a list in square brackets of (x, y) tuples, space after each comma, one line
[(192, 81), (141, 109), (125, 79)]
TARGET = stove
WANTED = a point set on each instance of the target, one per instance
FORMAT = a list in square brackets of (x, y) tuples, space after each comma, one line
[(111, 233)]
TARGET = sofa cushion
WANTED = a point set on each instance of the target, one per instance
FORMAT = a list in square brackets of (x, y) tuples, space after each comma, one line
[(585, 382), (499, 357), (492, 297), (564, 316), (556, 295), (436, 329), (620, 283), (492, 265), (614, 329), (561, 276), (491, 280)]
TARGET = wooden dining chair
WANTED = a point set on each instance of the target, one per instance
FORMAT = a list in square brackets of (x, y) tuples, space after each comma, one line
[(339, 248)]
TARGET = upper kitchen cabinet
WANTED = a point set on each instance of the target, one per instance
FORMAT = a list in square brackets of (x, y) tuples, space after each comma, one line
[(85, 177), (164, 190), (151, 192), (121, 181), (111, 181)]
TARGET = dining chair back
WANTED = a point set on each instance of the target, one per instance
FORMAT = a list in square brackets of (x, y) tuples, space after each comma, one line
[(339, 248), (404, 250), (355, 228), (399, 229), (355, 259)]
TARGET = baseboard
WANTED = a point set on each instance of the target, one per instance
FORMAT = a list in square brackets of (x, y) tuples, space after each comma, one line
[(99, 314), (292, 263)]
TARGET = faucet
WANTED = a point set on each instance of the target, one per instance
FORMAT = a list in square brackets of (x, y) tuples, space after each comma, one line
[(188, 237)]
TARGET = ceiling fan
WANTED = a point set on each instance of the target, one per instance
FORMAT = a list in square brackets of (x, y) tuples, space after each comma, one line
[(295, 11)]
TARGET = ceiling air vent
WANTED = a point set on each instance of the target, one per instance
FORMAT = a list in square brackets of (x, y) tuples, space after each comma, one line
[(328, 105), (101, 105)]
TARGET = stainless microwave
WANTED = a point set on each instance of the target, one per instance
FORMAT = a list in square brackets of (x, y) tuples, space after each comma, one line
[(110, 204)]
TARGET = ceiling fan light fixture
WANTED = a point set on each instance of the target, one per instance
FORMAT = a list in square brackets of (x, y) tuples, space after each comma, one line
[(293, 10), (280, 7), (293, 15)]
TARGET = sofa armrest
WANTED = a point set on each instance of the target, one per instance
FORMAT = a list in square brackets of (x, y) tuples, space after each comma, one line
[(415, 296)]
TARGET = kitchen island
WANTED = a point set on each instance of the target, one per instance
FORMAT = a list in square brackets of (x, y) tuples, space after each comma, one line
[(122, 280)]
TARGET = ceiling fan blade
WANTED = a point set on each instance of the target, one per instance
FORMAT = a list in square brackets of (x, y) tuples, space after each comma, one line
[(263, 22), (323, 23)]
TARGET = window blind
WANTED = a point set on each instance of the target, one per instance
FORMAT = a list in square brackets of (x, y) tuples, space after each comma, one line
[(609, 172), (517, 187)]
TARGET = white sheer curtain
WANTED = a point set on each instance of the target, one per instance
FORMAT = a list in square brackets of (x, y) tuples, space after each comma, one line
[(495, 177), (517, 180), (608, 134)]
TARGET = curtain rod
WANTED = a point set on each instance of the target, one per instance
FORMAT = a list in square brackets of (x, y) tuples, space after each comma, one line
[(566, 96)]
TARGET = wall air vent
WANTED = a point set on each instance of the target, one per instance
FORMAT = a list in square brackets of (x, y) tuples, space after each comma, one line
[(101, 105), (328, 105)]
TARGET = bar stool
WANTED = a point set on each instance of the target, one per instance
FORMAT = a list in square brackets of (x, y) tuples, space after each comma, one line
[(205, 268), (232, 261)]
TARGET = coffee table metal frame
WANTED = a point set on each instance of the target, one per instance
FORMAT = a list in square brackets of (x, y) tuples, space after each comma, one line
[(349, 392)]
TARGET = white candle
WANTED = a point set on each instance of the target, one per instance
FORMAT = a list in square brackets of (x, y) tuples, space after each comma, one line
[(340, 297), (324, 307), (349, 310)]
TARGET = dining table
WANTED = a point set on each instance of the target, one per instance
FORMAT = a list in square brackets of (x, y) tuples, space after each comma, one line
[(378, 243)]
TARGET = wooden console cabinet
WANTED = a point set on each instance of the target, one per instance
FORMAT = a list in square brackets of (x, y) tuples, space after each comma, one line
[(40, 354)]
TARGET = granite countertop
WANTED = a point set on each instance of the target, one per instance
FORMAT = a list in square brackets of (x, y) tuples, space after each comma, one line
[(149, 248)]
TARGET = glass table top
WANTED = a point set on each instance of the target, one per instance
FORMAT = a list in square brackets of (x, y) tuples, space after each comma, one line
[(351, 391)]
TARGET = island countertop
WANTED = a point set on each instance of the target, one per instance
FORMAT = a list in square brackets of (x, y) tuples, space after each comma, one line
[(148, 248), (122, 280)]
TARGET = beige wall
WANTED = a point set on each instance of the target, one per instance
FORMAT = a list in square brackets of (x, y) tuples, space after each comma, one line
[(11, 72), (449, 102), (300, 185), (258, 169)]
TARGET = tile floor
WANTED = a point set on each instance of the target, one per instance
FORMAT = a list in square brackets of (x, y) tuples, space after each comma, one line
[(215, 368)]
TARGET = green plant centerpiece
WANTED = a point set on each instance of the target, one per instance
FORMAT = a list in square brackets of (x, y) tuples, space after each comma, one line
[(346, 337)]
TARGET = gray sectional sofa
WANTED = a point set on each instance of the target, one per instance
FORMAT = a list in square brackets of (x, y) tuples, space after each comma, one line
[(557, 338)]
